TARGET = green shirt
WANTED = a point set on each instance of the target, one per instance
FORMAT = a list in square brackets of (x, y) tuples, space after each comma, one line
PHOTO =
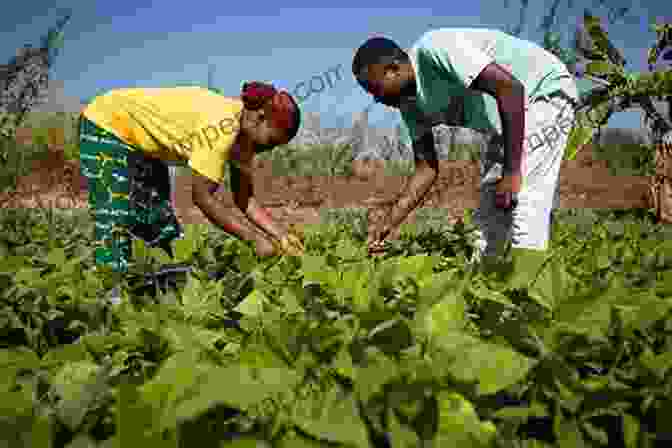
[(447, 61)]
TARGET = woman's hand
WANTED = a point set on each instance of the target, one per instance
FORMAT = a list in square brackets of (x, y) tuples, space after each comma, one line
[(292, 245), (288, 245), (265, 247)]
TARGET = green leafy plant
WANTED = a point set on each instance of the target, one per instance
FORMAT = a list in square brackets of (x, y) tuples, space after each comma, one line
[(624, 90), (594, 57), (335, 348)]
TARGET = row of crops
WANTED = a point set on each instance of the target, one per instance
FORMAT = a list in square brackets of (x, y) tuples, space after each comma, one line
[(412, 349)]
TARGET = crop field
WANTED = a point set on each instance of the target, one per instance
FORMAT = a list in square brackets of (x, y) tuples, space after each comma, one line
[(338, 349), (411, 349), (416, 347)]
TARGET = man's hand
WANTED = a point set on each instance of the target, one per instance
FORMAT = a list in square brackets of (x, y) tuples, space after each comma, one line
[(667, 141), (376, 247), (379, 232), (507, 188), (379, 228), (509, 184), (376, 240)]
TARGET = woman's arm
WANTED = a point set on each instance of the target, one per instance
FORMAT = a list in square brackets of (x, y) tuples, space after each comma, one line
[(203, 196), (242, 185)]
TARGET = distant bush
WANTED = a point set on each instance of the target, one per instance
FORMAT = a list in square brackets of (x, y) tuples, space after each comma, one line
[(18, 160), (631, 159)]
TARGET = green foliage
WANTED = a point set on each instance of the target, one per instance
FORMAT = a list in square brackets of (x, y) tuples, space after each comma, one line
[(621, 89), (625, 89), (335, 348), (552, 43), (552, 20), (663, 38), (627, 160)]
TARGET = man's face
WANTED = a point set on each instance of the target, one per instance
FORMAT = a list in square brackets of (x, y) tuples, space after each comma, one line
[(386, 82)]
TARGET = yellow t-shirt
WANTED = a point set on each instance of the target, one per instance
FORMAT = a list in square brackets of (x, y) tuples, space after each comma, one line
[(172, 124)]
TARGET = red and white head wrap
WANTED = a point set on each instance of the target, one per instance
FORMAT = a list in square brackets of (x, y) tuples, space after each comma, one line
[(255, 95)]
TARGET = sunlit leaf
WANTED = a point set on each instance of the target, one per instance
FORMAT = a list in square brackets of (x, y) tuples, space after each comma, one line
[(253, 304)]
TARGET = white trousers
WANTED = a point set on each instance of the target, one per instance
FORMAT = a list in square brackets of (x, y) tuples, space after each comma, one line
[(548, 123)]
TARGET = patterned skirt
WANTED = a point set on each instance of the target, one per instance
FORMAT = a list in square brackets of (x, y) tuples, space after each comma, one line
[(129, 196)]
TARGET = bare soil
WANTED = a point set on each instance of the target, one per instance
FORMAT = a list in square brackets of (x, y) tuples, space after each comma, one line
[(587, 183)]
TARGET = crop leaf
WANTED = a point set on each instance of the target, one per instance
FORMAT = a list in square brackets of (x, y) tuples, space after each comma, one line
[(253, 304), (336, 419), (236, 386), (459, 425), (492, 366)]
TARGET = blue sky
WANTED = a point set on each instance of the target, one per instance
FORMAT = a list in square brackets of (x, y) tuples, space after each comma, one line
[(144, 43)]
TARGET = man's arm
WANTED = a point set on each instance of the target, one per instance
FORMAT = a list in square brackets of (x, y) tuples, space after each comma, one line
[(510, 95), (426, 172)]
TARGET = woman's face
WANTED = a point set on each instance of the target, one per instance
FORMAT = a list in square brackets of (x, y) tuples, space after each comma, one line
[(258, 127)]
